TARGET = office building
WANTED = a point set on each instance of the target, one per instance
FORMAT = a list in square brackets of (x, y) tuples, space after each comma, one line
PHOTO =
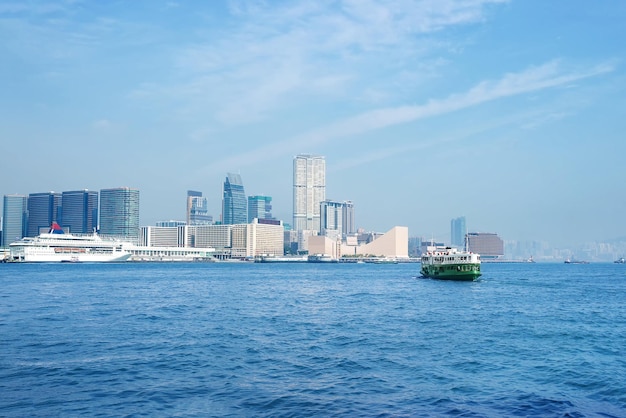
[(259, 237), (210, 236), (162, 236), (14, 218), (170, 223), (259, 207), (197, 209), (43, 209), (79, 211), (489, 245), (119, 212), (309, 191), (337, 216), (234, 204), (458, 229)]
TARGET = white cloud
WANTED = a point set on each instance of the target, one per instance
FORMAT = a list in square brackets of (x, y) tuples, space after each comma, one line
[(533, 79), (274, 53)]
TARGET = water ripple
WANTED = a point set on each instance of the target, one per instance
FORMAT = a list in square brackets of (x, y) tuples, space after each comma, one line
[(311, 340)]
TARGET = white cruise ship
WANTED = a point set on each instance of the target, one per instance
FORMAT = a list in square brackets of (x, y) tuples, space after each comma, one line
[(56, 246)]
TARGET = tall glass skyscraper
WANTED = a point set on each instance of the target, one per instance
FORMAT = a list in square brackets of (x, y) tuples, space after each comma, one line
[(119, 212), (309, 190), (79, 211), (14, 218), (234, 205), (43, 209), (259, 207), (197, 211), (458, 230)]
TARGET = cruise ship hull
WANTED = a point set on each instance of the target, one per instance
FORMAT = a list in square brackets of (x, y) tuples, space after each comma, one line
[(47, 255), (56, 246)]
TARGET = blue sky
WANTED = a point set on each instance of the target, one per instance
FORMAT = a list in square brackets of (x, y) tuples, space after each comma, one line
[(510, 113)]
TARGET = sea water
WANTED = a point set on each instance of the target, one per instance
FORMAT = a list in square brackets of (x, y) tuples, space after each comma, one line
[(245, 339)]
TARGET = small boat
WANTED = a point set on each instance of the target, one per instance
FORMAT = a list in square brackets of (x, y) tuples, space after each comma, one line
[(448, 263), (621, 260), (568, 261)]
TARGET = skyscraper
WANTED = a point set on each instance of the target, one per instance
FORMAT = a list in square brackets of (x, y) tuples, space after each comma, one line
[(43, 209), (197, 209), (79, 211), (14, 218), (119, 212), (234, 205), (488, 244), (309, 190), (337, 216), (259, 207), (458, 230)]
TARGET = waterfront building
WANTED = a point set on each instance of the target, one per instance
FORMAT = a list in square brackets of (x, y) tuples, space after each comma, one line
[(234, 204), (79, 211), (337, 216), (458, 229), (309, 191), (260, 237), (43, 209), (210, 236), (488, 245), (143, 253), (14, 218), (393, 244), (197, 209), (162, 236), (119, 212), (259, 207)]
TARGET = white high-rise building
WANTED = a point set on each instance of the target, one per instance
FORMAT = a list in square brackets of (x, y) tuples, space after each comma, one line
[(337, 216), (309, 190)]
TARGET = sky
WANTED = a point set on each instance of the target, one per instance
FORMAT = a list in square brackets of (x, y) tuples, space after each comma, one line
[(511, 113)]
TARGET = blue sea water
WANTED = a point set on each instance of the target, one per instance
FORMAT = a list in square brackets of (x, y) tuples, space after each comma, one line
[(245, 339)]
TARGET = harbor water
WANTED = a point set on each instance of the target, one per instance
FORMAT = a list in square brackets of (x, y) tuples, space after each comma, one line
[(304, 339)]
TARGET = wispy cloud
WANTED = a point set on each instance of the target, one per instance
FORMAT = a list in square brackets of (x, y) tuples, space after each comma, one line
[(534, 79), (275, 54)]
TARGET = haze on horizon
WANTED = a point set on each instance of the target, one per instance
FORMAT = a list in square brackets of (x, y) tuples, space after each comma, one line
[(510, 113)]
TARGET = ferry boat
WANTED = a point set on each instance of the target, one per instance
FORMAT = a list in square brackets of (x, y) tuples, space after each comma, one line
[(321, 258), (448, 263), (57, 246)]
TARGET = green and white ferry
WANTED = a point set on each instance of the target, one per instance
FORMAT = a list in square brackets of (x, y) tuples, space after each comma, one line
[(448, 263)]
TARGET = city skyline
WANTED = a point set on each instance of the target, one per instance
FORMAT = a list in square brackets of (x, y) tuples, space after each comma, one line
[(340, 219), (508, 112)]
